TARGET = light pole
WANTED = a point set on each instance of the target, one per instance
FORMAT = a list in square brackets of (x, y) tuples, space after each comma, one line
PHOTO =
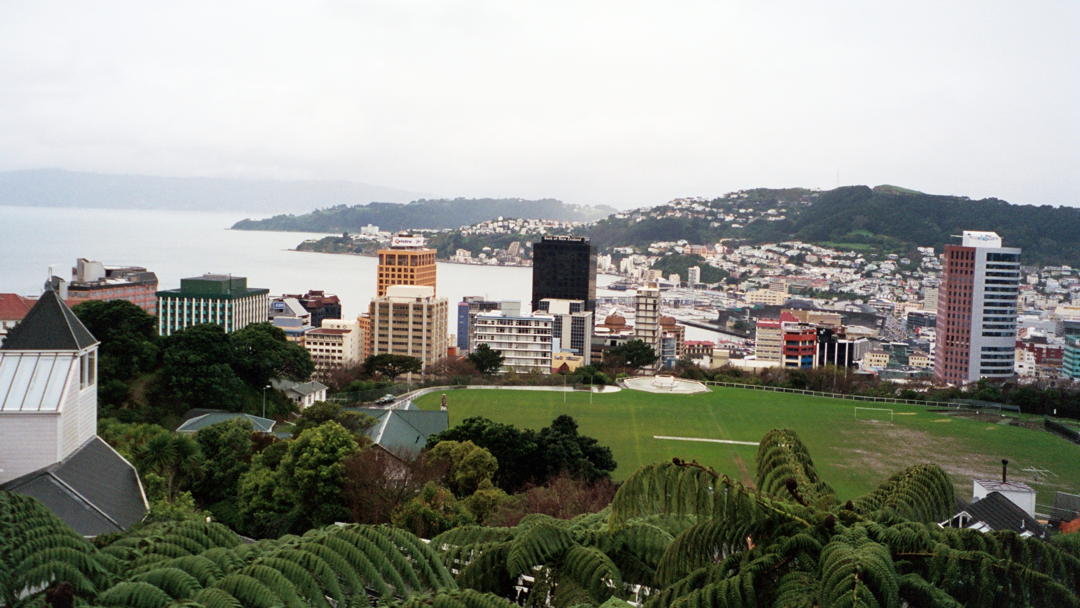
[(264, 400)]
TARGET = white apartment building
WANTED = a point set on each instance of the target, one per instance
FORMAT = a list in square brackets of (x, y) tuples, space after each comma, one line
[(337, 344), (524, 340), (647, 317), (693, 276)]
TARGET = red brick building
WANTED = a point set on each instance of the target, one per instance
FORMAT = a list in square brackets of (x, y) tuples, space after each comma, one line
[(91, 280)]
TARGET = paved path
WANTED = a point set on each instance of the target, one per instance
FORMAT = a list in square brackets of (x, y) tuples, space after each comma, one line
[(728, 441)]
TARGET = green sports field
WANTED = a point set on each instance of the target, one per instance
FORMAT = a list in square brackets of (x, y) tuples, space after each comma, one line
[(853, 455)]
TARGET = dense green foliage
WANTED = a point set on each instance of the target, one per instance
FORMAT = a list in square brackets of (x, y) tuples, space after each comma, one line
[(528, 456), (204, 367), (486, 359), (679, 264), (424, 213), (129, 345), (676, 534), (391, 366), (633, 354)]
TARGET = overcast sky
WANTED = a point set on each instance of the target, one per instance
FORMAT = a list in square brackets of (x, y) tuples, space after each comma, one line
[(625, 103)]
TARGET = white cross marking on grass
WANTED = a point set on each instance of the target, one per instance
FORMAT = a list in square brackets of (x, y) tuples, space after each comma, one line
[(728, 441)]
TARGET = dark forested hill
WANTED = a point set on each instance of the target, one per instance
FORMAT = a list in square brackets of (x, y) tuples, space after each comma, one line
[(888, 217), (860, 214), (435, 213)]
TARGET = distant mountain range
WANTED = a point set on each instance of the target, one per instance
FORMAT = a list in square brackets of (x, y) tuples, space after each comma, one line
[(60, 188), (424, 213)]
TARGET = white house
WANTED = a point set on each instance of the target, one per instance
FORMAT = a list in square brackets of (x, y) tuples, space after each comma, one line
[(49, 447)]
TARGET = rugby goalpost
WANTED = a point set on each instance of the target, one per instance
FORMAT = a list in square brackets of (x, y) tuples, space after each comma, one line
[(874, 413)]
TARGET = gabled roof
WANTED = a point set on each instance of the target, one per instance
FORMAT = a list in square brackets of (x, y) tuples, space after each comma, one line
[(1000, 513), (300, 388), (94, 490), (404, 431), (50, 325), (14, 307)]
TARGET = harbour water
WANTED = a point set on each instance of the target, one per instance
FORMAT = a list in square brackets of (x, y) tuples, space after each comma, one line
[(176, 244)]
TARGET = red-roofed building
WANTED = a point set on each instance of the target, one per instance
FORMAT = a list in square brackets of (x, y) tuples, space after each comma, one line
[(13, 308)]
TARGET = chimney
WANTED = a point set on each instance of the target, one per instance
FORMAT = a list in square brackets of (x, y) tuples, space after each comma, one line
[(1004, 470)]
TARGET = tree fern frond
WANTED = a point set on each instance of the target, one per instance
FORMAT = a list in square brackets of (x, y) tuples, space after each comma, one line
[(541, 543), (134, 595), (174, 581), (592, 570)]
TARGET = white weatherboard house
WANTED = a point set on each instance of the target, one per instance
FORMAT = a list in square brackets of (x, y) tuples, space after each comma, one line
[(49, 448)]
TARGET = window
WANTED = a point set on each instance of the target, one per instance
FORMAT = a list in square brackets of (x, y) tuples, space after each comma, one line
[(87, 369)]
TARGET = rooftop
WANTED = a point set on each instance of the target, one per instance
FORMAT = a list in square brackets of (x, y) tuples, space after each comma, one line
[(94, 490), (49, 325), (14, 307), (994, 485)]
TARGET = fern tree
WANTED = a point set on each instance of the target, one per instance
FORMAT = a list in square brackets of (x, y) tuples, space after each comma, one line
[(680, 534), (197, 563)]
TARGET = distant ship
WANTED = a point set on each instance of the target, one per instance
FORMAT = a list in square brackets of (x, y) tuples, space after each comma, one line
[(621, 285)]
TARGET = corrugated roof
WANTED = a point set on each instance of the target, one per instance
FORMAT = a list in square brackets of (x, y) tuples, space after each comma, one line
[(50, 325), (404, 431), (193, 425), (94, 490), (33, 382)]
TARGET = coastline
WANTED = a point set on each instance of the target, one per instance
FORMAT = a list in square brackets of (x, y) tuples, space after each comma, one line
[(439, 260)]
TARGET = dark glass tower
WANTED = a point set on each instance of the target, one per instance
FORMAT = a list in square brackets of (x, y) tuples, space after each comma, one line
[(564, 267)]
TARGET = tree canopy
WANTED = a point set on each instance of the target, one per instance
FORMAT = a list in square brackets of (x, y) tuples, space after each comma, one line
[(634, 353), (528, 456), (486, 359), (391, 366), (676, 534)]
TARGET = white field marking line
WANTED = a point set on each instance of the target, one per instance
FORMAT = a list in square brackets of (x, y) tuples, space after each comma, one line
[(728, 441)]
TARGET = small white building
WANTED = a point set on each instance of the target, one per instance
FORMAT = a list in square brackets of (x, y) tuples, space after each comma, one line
[(49, 448), (303, 394), (1021, 494)]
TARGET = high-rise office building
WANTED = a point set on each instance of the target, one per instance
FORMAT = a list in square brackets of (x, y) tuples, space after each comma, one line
[(977, 299), (647, 317), (1070, 364), (564, 267), (409, 320), (225, 300), (468, 308), (572, 328), (406, 262)]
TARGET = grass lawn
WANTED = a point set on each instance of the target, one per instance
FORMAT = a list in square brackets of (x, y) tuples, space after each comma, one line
[(852, 455)]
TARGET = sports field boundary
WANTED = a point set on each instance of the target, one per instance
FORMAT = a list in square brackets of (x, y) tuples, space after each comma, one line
[(845, 396)]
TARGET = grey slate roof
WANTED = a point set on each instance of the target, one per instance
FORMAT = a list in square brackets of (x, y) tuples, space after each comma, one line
[(300, 388), (50, 325), (94, 490), (1000, 513)]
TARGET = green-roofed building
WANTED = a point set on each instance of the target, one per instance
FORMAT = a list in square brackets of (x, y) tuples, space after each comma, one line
[(403, 433), (221, 299), (197, 423)]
